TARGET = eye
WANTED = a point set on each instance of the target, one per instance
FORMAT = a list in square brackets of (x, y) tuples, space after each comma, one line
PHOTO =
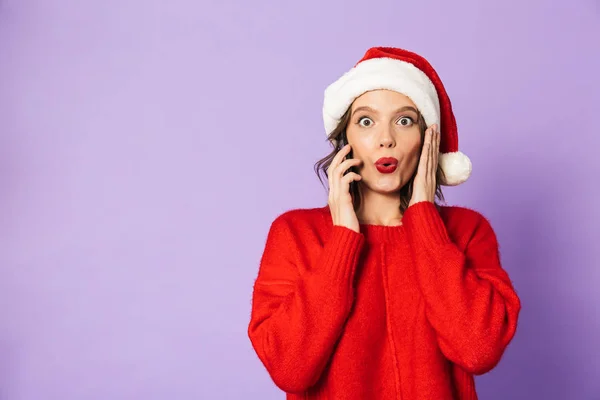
[(365, 122), (406, 121)]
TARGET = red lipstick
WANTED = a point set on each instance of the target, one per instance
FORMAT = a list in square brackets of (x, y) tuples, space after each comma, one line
[(386, 165)]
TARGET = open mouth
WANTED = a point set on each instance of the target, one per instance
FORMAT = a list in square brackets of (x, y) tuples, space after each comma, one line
[(386, 168), (386, 165)]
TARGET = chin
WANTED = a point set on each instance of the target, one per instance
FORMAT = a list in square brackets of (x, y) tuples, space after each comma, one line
[(385, 184)]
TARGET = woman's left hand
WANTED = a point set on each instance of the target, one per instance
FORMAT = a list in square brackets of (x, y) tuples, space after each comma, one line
[(424, 186)]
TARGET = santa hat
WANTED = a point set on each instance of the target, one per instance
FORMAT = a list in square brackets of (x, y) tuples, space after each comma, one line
[(410, 74)]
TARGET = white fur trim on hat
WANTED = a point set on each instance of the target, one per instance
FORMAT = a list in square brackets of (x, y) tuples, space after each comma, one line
[(457, 168), (381, 73)]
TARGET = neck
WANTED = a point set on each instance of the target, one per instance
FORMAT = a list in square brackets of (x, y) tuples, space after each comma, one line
[(379, 209)]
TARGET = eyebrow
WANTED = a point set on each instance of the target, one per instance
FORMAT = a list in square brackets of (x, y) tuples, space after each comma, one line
[(401, 109)]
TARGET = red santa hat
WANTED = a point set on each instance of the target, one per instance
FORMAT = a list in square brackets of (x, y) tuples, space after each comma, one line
[(412, 75)]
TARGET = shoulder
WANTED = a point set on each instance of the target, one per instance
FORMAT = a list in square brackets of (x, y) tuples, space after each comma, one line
[(301, 220), (458, 214), (302, 216), (463, 223), (299, 215), (299, 231)]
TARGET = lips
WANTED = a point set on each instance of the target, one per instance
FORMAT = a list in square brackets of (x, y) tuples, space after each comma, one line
[(386, 165)]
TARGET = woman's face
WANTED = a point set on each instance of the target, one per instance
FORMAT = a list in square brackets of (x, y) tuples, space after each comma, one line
[(384, 133)]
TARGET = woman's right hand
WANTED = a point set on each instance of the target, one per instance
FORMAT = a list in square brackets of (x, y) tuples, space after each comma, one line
[(340, 200)]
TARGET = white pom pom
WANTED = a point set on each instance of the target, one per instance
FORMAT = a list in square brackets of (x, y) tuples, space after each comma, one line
[(457, 168)]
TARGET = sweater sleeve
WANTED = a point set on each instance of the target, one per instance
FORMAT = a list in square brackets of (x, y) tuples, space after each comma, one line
[(299, 310), (469, 299)]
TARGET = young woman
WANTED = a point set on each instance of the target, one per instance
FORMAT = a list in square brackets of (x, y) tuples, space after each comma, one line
[(384, 293)]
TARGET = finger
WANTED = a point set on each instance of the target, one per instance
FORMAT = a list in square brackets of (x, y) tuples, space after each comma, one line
[(422, 169), (345, 165), (339, 157), (332, 165), (436, 153), (431, 150), (350, 177), (434, 147), (339, 178)]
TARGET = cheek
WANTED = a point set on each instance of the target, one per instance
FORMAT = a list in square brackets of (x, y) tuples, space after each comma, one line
[(412, 149), (361, 145), (410, 158), (416, 150)]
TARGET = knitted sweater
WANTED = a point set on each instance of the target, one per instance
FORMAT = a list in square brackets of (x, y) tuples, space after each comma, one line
[(404, 312)]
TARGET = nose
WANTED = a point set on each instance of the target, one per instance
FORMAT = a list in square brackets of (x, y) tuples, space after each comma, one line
[(386, 139)]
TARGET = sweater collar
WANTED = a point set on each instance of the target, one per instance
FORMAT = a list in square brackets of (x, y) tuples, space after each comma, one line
[(373, 233)]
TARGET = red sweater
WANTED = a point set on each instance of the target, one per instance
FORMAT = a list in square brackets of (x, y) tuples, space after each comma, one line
[(408, 312)]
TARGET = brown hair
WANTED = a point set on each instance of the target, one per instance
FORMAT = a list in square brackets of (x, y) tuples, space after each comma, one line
[(334, 139)]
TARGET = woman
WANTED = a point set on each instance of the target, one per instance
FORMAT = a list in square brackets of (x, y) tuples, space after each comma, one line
[(383, 293)]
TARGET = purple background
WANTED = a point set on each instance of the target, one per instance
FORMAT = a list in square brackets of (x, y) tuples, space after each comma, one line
[(146, 147)]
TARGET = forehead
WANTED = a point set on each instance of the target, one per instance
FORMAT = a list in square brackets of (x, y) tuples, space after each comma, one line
[(382, 100)]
